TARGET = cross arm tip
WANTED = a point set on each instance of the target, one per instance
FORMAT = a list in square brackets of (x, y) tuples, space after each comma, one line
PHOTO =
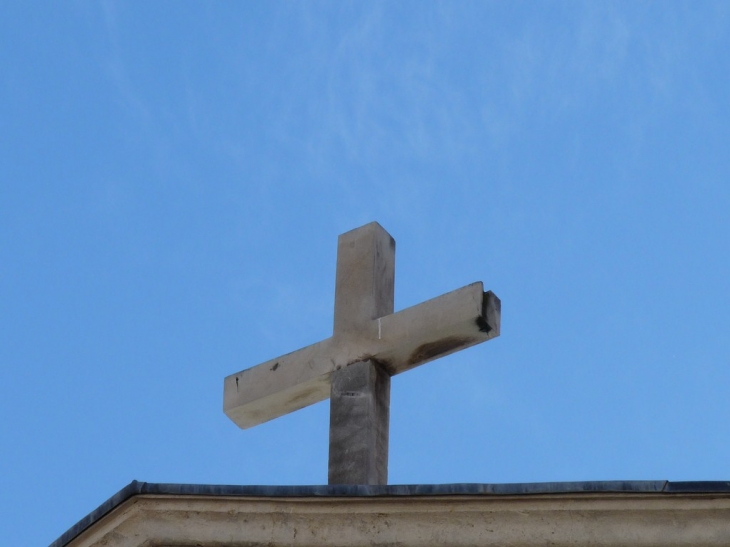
[(491, 318)]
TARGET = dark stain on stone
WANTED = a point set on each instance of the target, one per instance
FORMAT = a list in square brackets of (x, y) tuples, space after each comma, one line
[(387, 366), (276, 365), (491, 312), (482, 324), (429, 351), (361, 358)]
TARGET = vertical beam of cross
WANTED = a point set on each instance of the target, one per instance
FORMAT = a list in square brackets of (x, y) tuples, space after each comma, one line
[(360, 392)]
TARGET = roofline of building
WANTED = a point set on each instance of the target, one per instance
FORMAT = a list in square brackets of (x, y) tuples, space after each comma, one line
[(136, 488)]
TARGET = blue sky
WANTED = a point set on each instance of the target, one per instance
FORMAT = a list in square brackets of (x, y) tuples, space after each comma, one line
[(173, 179)]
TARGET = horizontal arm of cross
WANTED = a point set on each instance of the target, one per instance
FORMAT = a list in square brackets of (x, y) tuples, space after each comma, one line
[(397, 342)]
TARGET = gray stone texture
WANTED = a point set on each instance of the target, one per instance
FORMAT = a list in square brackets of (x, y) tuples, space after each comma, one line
[(359, 420)]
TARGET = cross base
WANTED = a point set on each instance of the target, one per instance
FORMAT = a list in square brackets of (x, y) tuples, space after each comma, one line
[(359, 420)]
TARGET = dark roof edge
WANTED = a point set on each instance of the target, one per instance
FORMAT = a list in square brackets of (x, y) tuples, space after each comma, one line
[(464, 489), (132, 489)]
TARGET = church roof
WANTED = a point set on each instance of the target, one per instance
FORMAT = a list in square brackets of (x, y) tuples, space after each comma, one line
[(136, 488)]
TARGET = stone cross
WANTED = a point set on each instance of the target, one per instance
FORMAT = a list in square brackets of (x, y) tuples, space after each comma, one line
[(369, 344)]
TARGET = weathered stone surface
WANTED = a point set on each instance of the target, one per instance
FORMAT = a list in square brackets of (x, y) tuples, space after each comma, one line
[(606, 519), (359, 422), (369, 344), (399, 342), (365, 280)]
